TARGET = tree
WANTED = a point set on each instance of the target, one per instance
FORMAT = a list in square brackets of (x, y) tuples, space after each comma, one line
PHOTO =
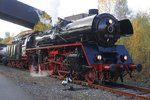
[(138, 44), (1, 40), (44, 23), (134, 42), (7, 40), (106, 6), (121, 9)]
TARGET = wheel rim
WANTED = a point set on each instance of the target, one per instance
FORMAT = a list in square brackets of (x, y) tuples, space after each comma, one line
[(90, 76)]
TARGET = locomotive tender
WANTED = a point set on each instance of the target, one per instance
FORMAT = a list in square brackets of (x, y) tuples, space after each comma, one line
[(84, 49)]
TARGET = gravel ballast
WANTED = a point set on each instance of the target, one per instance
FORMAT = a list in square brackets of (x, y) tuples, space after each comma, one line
[(47, 88)]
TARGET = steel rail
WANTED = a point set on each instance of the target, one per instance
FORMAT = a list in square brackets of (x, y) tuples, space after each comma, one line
[(120, 92), (145, 90)]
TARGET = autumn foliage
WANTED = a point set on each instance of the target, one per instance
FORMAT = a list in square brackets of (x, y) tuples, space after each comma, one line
[(138, 45), (44, 23)]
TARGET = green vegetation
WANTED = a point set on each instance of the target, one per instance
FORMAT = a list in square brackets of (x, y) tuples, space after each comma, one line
[(44, 23), (1, 40), (138, 44), (6, 40)]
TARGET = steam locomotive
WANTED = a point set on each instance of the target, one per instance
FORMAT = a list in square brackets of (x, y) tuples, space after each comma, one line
[(84, 49)]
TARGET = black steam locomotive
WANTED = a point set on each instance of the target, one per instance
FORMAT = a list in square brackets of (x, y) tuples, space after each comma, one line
[(84, 49)]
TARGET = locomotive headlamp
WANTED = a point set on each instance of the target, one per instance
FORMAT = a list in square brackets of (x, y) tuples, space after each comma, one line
[(110, 21), (123, 58), (99, 57)]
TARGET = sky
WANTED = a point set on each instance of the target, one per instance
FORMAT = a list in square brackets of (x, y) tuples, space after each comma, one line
[(63, 8)]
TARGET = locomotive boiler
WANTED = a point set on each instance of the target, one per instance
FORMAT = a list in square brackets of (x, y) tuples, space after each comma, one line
[(104, 29), (83, 49)]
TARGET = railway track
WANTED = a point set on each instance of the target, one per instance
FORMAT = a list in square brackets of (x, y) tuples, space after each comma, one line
[(138, 93), (135, 92)]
